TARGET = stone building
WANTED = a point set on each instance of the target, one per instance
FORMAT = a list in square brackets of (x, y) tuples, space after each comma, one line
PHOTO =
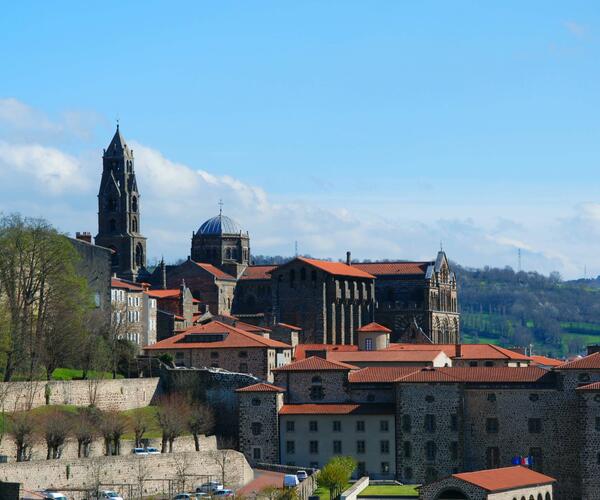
[(218, 345), (450, 419), (418, 301), (176, 310), (119, 211)]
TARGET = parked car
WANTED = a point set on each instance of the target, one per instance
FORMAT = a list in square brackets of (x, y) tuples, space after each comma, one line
[(209, 487), (53, 495), (139, 451), (109, 495), (152, 451), (301, 475), (290, 481), (189, 496), (222, 493)]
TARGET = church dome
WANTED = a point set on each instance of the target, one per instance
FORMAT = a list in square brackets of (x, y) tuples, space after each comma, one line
[(220, 224)]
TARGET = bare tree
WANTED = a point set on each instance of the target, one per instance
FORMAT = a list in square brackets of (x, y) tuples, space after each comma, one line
[(84, 429), (141, 476), (172, 415), (112, 426), (139, 423), (182, 464), (223, 457), (54, 427), (21, 429), (202, 421)]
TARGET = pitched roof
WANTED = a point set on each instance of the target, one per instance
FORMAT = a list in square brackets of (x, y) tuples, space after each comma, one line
[(290, 327), (261, 387), (337, 409), (127, 285), (336, 268), (591, 362), (380, 374), (257, 273), (468, 351), (374, 327), (302, 349), (384, 356), (505, 478), (314, 364), (545, 361), (216, 335), (394, 268), (590, 387), (165, 294), (215, 271)]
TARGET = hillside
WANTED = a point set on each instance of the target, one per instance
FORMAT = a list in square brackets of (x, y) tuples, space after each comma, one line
[(518, 309)]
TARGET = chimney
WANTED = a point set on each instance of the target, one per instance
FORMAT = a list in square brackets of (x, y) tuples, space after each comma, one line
[(348, 259), (458, 350), (84, 236)]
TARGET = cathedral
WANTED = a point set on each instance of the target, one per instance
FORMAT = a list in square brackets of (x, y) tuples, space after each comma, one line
[(328, 300)]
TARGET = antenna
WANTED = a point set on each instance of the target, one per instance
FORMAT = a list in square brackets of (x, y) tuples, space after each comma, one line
[(220, 206), (296, 247), (441, 246), (519, 253)]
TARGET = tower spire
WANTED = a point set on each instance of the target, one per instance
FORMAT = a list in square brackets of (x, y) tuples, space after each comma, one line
[(220, 207)]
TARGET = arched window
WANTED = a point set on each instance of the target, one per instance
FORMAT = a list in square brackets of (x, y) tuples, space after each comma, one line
[(228, 253), (112, 225), (539, 497), (452, 494), (548, 496), (234, 254), (134, 225), (139, 255), (111, 204), (134, 205)]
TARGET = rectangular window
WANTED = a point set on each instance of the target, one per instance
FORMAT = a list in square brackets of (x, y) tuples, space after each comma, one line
[(337, 426), (430, 423), (384, 426), (454, 450), (290, 447), (360, 447), (290, 426), (384, 447), (430, 450), (313, 447), (368, 344), (454, 422), (406, 423), (385, 468), (360, 426), (491, 426), (492, 457), (407, 449), (256, 454), (313, 426), (535, 425), (337, 447)]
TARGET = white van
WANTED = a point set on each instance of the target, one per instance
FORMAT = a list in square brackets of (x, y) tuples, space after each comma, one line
[(290, 481)]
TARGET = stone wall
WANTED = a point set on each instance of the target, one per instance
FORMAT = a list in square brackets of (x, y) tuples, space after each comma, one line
[(123, 473), (298, 385), (259, 426), (118, 394)]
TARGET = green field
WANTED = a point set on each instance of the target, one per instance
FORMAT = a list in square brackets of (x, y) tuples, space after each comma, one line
[(74, 374), (390, 490)]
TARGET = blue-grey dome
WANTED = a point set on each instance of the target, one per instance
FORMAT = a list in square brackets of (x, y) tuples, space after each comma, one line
[(220, 224)]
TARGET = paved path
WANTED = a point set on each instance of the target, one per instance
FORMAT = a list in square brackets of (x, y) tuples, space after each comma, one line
[(262, 479)]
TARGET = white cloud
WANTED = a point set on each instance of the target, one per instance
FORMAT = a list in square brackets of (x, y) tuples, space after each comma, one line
[(576, 29)]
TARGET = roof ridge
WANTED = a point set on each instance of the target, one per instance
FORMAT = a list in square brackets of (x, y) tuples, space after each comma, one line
[(250, 335)]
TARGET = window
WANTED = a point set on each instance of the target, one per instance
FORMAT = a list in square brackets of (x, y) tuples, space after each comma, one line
[(313, 447), (491, 397), (406, 423), (385, 468), (337, 426), (256, 428), (290, 426), (243, 368), (360, 426), (534, 397), (313, 426), (368, 344), (489, 363), (290, 447), (492, 457), (256, 402), (243, 354), (361, 469), (316, 389), (535, 425), (430, 450), (384, 426), (454, 422), (472, 364), (384, 447), (256, 454), (491, 426), (407, 449), (360, 446), (430, 423), (214, 354), (454, 450), (337, 447)]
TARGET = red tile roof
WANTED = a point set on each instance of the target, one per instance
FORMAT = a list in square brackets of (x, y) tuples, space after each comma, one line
[(590, 387), (164, 294), (337, 409), (505, 478), (314, 364), (374, 327), (380, 374), (119, 283), (336, 268), (291, 327), (303, 349), (215, 271), (468, 351), (261, 387), (394, 268), (231, 338), (257, 273), (384, 356), (591, 362), (545, 361)]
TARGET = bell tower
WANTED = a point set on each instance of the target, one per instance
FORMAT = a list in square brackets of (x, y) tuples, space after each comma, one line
[(119, 210)]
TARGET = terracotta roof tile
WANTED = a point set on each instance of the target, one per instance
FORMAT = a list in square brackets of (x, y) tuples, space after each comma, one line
[(119, 283), (257, 273), (337, 409), (164, 294), (336, 268), (468, 351), (215, 271), (394, 268), (502, 374), (374, 327), (231, 338), (261, 387), (384, 356), (505, 478), (291, 327), (315, 364), (544, 360), (303, 349), (590, 387), (380, 374), (591, 362)]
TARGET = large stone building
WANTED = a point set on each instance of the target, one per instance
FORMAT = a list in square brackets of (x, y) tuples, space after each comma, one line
[(426, 423)]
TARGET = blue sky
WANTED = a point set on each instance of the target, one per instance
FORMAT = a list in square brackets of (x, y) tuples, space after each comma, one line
[(379, 127)]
